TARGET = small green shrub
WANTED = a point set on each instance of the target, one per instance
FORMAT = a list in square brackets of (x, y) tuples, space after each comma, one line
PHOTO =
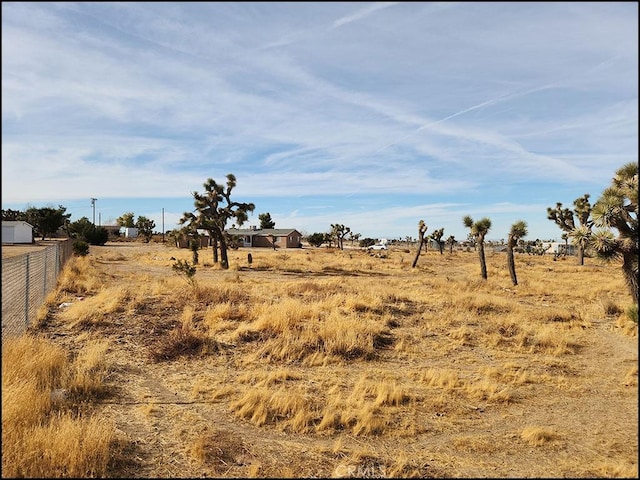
[(632, 313), (80, 247), (97, 236), (182, 267)]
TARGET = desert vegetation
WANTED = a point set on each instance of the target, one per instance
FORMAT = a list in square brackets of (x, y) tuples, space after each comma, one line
[(325, 362)]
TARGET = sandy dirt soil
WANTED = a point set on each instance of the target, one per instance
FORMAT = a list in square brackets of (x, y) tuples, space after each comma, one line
[(154, 409)]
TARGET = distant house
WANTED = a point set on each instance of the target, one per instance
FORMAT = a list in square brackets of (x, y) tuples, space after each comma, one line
[(17, 232), (113, 230), (182, 241), (559, 248), (129, 232), (267, 237)]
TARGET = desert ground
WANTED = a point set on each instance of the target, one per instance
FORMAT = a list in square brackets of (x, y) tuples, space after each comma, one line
[(318, 362)]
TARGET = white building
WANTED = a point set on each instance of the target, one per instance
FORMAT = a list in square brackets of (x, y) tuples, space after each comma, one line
[(17, 232), (558, 248), (129, 232)]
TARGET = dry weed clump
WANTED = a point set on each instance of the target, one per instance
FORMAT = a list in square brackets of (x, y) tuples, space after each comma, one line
[(538, 436), (226, 316), (218, 449), (90, 371), (217, 294), (97, 309), (482, 304), (551, 340), (372, 407), (611, 469), (79, 277), (182, 340), (313, 340), (269, 378), (559, 315), (489, 391), (446, 379), (43, 432), (628, 321), (291, 409), (30, 360)]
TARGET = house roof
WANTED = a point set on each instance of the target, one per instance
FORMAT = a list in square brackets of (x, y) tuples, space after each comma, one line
[(262, 232), (15, 222)]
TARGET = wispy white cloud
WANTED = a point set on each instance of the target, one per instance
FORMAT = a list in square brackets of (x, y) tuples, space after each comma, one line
[(439, 102), (362, 13)]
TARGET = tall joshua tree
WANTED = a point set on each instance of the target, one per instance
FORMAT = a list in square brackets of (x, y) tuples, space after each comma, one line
[(565, 237), (617, 208), (437, 236), (339, 231), (214, 208), (518, 231), (451, 241), (479, 230), (564, 218), (422, 229)]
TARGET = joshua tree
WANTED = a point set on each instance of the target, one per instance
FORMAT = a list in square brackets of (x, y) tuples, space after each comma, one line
[(564, 218), (437, 236), (145, 228), (450, 241), (422, 229), (193, 241), (617, 208), (354, 237), (518, 230), (339, 231), (214, 208), (126, 220), (479, 230), (565, 237)]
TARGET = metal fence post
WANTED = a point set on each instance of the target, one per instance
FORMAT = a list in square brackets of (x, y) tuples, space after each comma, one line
[(26, 296), (44, 276)]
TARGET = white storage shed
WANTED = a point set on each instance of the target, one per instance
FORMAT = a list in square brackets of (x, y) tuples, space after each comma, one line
[(17, 232), (129, 232)]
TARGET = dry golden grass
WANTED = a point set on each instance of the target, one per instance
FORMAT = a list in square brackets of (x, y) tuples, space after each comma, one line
[(44, 433), (538, 436), (320, 362)]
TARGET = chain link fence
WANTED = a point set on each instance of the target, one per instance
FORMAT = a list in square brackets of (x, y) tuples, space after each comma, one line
[(26, 281)]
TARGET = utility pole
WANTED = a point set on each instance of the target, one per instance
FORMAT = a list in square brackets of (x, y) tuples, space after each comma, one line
[(162, 224), (93, 204)]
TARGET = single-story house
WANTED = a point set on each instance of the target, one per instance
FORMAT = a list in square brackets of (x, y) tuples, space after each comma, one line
[(267, 237), (17, 232)]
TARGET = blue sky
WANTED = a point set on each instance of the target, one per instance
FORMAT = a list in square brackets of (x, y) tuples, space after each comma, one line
[(372, 115)]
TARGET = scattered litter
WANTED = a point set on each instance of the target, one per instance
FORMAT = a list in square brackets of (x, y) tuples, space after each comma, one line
[(65, 304)]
